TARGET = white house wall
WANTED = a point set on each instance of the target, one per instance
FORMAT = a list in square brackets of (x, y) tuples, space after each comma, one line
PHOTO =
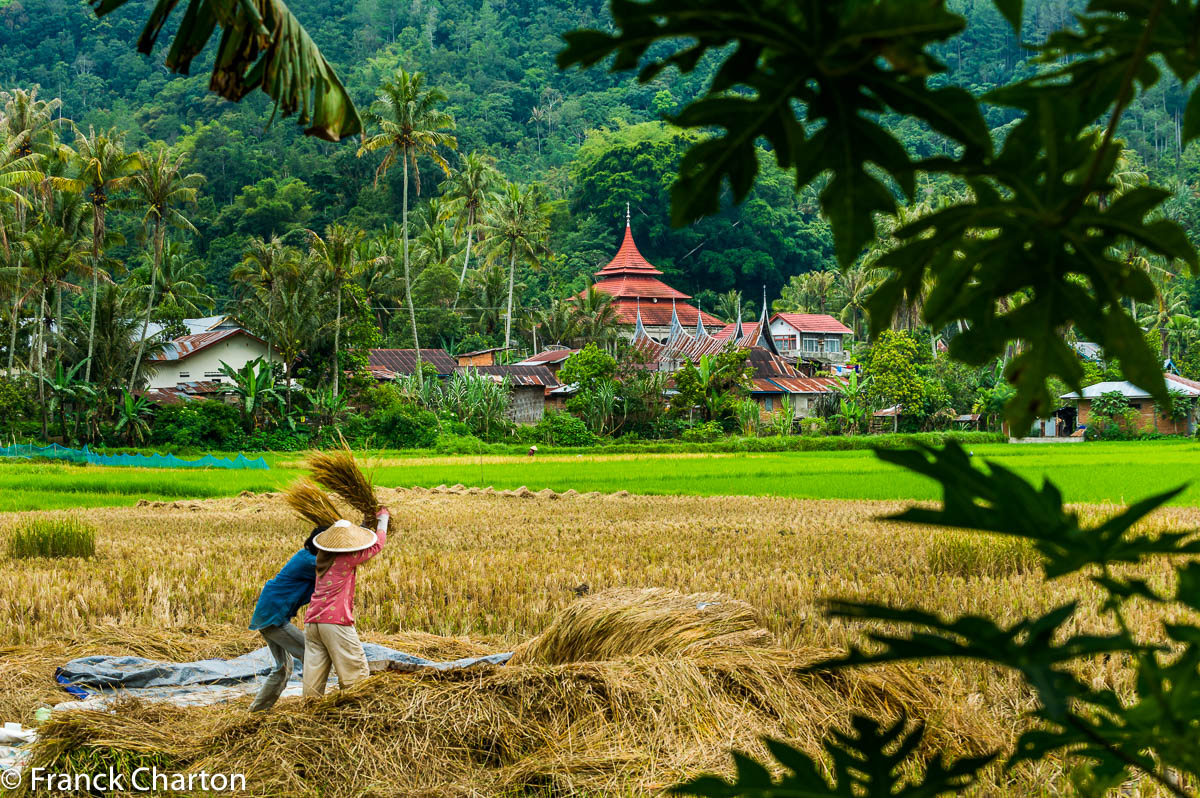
[(206, 364)]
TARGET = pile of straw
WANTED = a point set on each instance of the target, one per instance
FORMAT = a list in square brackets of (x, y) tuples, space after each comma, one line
[(650, 703), (338, 472), (623, 623)]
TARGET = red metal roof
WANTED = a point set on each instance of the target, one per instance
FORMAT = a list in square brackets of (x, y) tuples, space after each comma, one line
[(658, 314), (631, 287), (518, 374), (814, 322), (188, 345), (388, 363), (628, 260)]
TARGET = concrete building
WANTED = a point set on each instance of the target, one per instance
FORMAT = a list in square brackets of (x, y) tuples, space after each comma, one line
[(198, 358)]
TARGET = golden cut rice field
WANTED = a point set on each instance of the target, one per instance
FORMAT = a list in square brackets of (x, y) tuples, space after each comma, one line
[(469, 571)]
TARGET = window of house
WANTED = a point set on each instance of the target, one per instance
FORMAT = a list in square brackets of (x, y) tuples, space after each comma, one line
[(183, 375), (211, 374), (785, 342), (767, 404), (812, 344), (833, 343)]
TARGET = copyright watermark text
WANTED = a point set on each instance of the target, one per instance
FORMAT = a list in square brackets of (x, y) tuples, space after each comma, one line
[(143, 779)]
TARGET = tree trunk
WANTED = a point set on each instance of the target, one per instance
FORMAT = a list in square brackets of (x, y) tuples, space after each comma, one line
[(412, 311), (512, 270), (137, 361), (463, 276), (41, 361), (337, 339), (58, 329), (97, 234)]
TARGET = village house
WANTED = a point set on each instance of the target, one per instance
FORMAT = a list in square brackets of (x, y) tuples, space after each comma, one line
[(816, 337), (1143, 404), (197, 358)]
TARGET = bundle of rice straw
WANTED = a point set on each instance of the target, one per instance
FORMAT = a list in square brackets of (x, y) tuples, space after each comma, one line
[(310, 502), (338, 472), (622, 622)]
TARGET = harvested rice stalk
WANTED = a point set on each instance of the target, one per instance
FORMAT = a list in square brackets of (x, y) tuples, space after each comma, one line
[(310, 502), (337, 471), (621, 623)]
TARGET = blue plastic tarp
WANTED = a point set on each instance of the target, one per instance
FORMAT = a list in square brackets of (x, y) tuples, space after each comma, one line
[(86, 455), (90, 677)]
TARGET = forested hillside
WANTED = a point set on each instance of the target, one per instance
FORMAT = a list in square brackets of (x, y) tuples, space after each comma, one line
[(590, 140)]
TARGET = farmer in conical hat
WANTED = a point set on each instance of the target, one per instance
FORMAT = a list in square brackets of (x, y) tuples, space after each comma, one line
[(329, 634), (281, 598)]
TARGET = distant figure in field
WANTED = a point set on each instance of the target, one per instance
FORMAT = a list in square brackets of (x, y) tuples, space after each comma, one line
[(533, 451)]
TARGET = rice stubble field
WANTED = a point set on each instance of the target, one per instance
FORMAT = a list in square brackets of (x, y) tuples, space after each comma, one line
[(471, 571)]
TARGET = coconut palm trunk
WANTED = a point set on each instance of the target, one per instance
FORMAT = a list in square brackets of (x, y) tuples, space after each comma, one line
[(512, 270), (41, 361), (158, 244), (337, 338), (462, 277), (412, 311), (97, 235)]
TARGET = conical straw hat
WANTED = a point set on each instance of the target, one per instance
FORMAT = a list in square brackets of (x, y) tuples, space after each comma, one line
[(344, 536)]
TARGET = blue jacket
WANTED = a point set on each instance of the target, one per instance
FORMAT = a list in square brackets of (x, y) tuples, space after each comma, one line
[(282, 597)]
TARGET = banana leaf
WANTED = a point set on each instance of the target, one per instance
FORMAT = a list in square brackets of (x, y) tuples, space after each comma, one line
[(262, 45)]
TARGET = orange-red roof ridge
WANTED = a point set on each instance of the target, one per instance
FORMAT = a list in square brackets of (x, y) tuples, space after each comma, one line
[(628, 259)]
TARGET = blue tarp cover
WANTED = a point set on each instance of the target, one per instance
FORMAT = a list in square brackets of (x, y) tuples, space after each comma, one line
[(86, 455), (87, 677)]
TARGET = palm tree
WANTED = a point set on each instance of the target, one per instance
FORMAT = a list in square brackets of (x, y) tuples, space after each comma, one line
[(596, 317), (163, 188), (487, 288), (105, 168), (558, 322), (52, 254), (293, 322), (410, 124), (180, 281), (808, 293), (516, 228), (260, 272), (337, 257), (467, 193), (27, 127), (729, 305), (855, 287)]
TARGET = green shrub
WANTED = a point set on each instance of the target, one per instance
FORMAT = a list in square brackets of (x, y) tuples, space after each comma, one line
[(404, 426), (52, 537), (564, 429), (209, 424), (969, 555), (707, 432)]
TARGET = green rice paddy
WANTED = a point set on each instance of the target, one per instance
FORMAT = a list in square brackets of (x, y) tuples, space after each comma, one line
[(1087, 472)]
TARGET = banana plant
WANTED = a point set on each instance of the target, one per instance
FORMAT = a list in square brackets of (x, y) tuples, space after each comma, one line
[(66, 389), (132, 415), (255, 385)]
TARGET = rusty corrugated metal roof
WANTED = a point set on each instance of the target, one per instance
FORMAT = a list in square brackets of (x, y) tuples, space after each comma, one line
[(524, 376), (390, 363)]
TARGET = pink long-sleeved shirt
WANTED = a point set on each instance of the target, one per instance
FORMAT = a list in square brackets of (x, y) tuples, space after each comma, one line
[(333, 599)]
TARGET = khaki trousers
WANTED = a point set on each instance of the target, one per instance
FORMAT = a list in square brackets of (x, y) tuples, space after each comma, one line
[(330, 644)]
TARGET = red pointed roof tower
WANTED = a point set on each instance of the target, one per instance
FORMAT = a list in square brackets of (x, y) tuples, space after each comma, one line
[(633, 283)]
